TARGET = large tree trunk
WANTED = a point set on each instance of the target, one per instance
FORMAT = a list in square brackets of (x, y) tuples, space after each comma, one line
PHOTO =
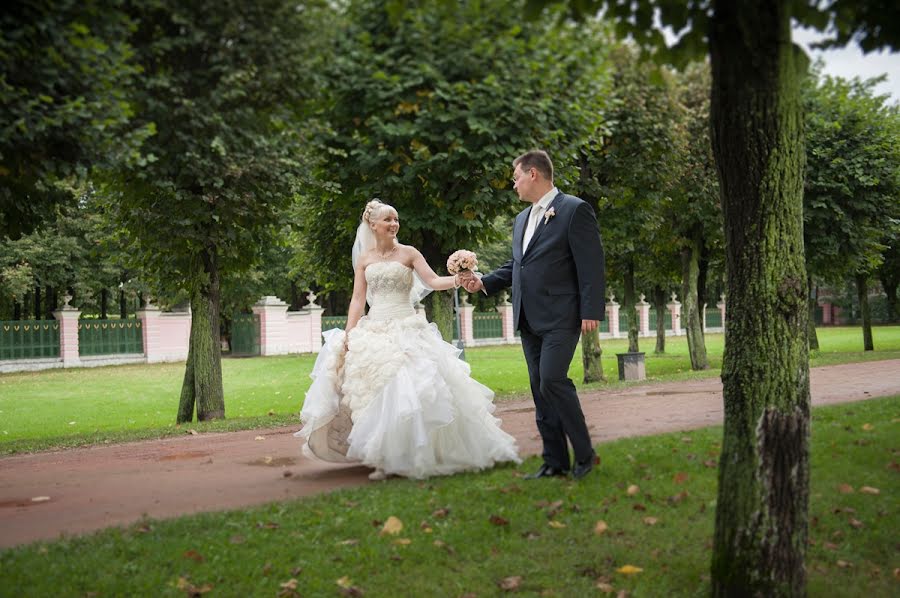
[(690, 262), (439, 309), (591, 352), (812, 336), (628, 303), (123, 305), (659, 306), (104, 303), (862, 293), (761, 514), (890, 282), (202, 385), (38, 312)]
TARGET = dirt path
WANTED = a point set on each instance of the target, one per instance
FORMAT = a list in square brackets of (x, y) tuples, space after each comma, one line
[(92, 488)]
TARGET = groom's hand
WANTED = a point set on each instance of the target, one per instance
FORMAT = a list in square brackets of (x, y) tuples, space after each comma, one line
[(473, 284), (589, 325)]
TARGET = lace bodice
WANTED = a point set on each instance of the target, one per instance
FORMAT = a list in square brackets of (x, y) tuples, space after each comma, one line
[(389, 284)]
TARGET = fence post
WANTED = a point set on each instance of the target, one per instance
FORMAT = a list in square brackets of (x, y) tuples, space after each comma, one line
[(505, 309), (67, 316), (167, 337), (315, 322), (612, 316), (675, 310), (643, 309), (466, 320), (273, 327)]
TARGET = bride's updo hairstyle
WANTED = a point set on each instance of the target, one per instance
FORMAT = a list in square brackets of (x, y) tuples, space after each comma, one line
[(375, 209)]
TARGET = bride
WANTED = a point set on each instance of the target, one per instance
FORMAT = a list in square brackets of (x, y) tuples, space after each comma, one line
[(388, 391)]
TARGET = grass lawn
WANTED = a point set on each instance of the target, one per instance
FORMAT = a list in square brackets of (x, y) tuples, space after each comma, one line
[(472, 534), (65, 408)]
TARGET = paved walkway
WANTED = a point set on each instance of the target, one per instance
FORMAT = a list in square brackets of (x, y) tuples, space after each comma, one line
[(92, 488)]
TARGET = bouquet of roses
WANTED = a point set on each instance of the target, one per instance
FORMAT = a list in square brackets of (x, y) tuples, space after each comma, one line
[(462, 260)]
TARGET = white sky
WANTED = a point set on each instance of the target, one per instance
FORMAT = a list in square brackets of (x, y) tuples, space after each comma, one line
[(849, 62)]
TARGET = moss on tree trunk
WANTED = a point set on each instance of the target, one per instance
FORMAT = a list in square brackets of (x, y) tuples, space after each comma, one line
[(439, 309), (690, 261), (202, 385), (761, 514), (591, 353), (659, 306)]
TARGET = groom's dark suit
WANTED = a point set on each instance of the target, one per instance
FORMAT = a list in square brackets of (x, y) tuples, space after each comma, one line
[(557, 282)]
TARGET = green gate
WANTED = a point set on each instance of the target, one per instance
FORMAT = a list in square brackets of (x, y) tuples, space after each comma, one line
[(245, 335), (28, 339)]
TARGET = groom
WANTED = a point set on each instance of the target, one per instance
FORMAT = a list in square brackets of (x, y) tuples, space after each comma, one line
[(557, 278)]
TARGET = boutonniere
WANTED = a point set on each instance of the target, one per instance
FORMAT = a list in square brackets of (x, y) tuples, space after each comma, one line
[(549, 214)]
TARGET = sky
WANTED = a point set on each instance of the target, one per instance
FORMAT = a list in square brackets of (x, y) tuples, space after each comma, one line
[(849, 62)]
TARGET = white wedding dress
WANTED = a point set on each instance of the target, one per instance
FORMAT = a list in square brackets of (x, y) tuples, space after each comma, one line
[(400, 399)]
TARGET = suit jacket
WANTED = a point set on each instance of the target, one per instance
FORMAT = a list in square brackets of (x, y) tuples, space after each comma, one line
[(560, 278)]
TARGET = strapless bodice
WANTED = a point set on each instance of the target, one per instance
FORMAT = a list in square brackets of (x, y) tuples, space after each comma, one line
[(389, 284)]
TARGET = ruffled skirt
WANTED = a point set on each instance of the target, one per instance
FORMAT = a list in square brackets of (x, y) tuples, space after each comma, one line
[(401, 400)]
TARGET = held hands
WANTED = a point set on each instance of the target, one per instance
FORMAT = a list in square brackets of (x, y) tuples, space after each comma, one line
[(469, 281)]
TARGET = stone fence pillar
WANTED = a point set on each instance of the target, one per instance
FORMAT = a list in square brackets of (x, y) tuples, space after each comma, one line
[(643, 309), (67, 316), (505, 309), (675, 311), (466, 320), (612, 316), (167, 336)]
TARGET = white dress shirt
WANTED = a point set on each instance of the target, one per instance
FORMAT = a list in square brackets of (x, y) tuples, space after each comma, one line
[(539, 207)]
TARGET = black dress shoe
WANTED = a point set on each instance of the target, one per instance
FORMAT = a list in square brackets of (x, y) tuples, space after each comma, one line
[(546, 471), (582, 469)]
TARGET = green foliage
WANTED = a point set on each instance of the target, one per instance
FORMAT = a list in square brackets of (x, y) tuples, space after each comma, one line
[(66, 70), (852, 176), (427, 108)]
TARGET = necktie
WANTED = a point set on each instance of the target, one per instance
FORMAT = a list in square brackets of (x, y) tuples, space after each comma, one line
[(536, 210)]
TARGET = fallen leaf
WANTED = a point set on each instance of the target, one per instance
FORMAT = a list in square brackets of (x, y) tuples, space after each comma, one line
[(267, 525), (498, 520), (650, 520), (287, 473), (236, 539), (844, 564), (440, 513), (290, 584), (632, 490), (267, 568), (193, 555), (510, 583), (260, 438), (639, 507), (605, 587), (868, 427), (869, 490), (344, 582), (403, 541), (678, 497), (600, 528), (629, 570), (680, 477), (350, 542), (193, 432), (392, 526), (556, 524), (897, 573), (856, 523), (710, 463), (143, 528), (830, 546), (40, 498), (845, 489), (352, 591)]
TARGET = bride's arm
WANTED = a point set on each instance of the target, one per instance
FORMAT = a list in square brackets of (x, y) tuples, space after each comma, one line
[(358, 300), (428, 276)]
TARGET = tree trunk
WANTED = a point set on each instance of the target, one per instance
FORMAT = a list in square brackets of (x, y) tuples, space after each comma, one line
[(893, 307), (202, 386), (439, 309), (757, 130), (812, 336), (104, 303), (690, 262), (123, 305), (38, 312), (17, 310), (591, 352), (862, 293), (296, 301), (628, 305), (659, 306)]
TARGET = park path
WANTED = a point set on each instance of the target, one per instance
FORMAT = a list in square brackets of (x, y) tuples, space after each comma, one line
[(92, 488)]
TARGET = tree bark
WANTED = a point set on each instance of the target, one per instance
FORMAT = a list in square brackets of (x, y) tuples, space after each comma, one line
[(38, 312), (761, 515), (862, 293), (628, 303), (123, 305), (104, 303), (893, 307), (690, 262), (812, 336), (439, 309), (659, 306), (591, 352), (202, 385)]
